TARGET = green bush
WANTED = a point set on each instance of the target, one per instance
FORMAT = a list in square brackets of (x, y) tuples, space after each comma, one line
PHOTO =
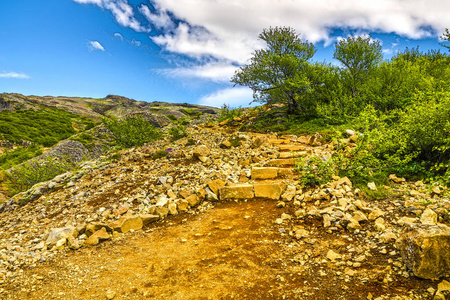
[(32, 172), (178, 132), (132, 132), (18, 156), (227, 112)]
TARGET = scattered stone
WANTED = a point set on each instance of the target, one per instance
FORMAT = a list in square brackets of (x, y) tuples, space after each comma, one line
[(429, 217), (372, 186), (58, 234), (215, 185), (331, 255), (125, 224)]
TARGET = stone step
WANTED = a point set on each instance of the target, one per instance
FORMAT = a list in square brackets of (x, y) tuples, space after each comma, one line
[(278, 141), (272, 191), (271, 173), (281, 162), (292, 154), (293, 148)]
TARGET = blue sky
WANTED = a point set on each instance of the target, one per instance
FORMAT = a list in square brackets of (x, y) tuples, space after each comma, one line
[(184, 50)]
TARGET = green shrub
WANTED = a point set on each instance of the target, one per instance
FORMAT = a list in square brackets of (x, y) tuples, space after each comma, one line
[(172, 118), (178, 132), (132, 132), (18, 156), (226, 112), (32, 172)]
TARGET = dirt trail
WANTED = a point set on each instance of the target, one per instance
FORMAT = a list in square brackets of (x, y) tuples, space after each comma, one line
[(233, 251)]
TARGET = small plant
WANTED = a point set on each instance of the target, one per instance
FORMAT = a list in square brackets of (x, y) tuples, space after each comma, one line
[(160, 154), (226, 112), (177, 132), (315, 172), (190, 142), (236, 141)]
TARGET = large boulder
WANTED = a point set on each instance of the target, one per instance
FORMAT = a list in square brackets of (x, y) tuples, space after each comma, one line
[(425, 250)]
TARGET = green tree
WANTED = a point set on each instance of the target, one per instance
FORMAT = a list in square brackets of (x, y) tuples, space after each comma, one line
[(276, 74), (359, 55)]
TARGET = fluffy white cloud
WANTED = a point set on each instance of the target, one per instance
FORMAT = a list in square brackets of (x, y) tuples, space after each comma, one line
[(228, 29), (94, 45), (233, 97), (216, 72), (14, 75)]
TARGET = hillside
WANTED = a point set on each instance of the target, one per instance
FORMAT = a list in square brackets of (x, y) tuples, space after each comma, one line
[(222, 214), (38, 127)]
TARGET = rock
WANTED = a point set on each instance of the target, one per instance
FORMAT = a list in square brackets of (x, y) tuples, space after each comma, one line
[(97, 237), (376, 213), (59, 233), (436, 190), (121, 210), (244, 191), (359, 216), (269, 190), (444, 287), (331, 255), (300, 213), (289, 194), (173, 209), (395, 179), (193, 200), (424, 249), (210, 195), (326, 220), (315, 140), (350, 132), (162, 212), (264, 173), (344, 181), (201, 150), (182, 205), (428, 217), (380, 224), (95, 226), (148, 218), (372, 186), (225, 144), (125, 224), (259, 141), (439, 296), (215, 185), (110, 295)]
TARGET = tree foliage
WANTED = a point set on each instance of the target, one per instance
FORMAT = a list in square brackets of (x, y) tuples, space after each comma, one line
[(279, 72)]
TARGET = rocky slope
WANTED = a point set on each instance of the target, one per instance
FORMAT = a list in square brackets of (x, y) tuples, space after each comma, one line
[(223, 217), (97, 108)]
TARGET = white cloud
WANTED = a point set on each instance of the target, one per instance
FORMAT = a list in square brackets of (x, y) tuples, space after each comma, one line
[(228, 29), (14, 75), (159, 18), (123, 12), (233, 97), (136, 42), (94, 45), (216, 72), (119, 36)]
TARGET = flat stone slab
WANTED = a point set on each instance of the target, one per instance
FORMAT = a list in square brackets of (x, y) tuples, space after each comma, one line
[(282, 162), (291, 148), (242, 191), (269, 190), (278, 141), (264, 173), (292, 154)]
